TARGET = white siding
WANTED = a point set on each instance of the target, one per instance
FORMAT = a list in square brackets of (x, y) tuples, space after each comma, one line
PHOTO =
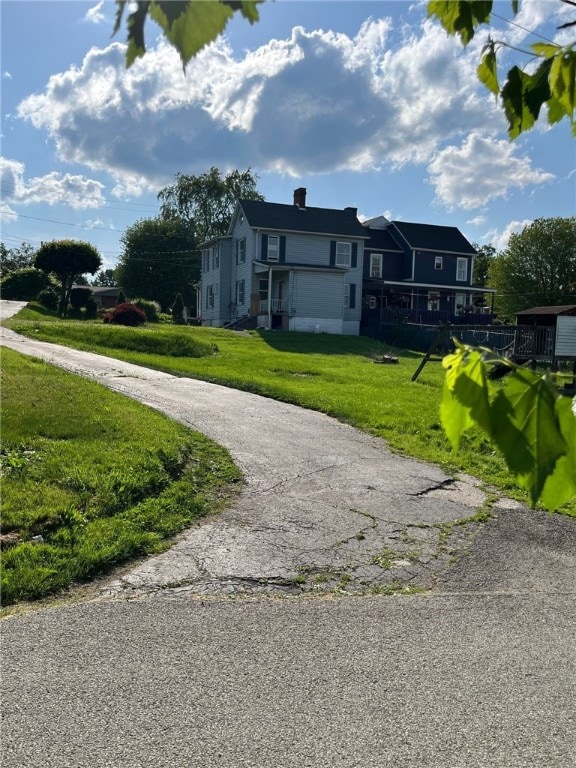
[(566, 337)]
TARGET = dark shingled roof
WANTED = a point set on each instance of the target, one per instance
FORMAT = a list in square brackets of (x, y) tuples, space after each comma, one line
[(434, 238), (381, 240), (290, 218), (554, 310)]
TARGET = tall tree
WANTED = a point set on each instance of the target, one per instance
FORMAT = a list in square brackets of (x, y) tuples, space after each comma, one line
[(159, 260), (538, 268), (67, 260), (105, 278), (484, 256), (19, 257), (206, 202)]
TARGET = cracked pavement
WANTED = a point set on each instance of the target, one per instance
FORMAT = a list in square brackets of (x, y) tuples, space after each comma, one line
[(204, 669), (323, 506)]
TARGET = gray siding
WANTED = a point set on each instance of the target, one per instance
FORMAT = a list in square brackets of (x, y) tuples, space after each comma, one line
[(319, 294)]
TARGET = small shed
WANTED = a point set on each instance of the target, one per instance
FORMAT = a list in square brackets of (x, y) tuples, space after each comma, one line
[(547, 316)]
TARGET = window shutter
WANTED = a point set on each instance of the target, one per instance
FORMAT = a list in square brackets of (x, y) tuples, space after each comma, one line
[(354, 257), (264, 249), (282, 247), (332, 253), (352, 296)]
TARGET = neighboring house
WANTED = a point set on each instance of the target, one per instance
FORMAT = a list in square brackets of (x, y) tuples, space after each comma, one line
[(290, 267), (424, 269), (105, 296)]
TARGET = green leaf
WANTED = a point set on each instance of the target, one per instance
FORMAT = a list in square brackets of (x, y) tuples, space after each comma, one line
[(487, 71), (196, 27), (563, 80), (546, 50), (461, 17), (561, 484), (466, 398), (533, 412), (135, 39), (515, 5), (555, 111), (536, 88), (520, 117)]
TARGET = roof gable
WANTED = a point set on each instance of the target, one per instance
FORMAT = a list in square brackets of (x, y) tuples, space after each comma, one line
[(433, 237), (291, 218)]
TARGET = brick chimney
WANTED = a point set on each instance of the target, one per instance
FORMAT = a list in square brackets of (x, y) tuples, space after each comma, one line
[(300, 197), (350, 209)]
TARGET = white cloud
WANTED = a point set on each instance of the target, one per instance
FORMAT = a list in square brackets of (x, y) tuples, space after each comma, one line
[(7, 214), (317, 102), (500, 239), (479, 171), (477, 221), (95, 15), (6, 76), (53, 189)]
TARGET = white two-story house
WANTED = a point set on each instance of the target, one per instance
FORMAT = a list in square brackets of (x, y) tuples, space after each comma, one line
[(289, 267)]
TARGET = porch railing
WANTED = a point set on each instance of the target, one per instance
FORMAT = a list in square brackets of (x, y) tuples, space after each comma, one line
[(275, 305)]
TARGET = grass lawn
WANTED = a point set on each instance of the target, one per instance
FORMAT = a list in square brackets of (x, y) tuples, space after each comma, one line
[(333, 374), (91, 479)]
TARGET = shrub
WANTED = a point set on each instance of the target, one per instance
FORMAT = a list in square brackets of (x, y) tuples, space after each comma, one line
[(91, 307), (79, 296), (150, 308), (121, 298), (48, 298), (125, 314), (24, 284)]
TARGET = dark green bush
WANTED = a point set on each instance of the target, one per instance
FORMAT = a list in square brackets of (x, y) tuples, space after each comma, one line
[(48, 298), (178, 309), (150, 308), (24, 284), (79, 296), (91, 307)]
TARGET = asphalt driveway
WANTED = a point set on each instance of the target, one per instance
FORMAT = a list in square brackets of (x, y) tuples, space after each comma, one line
[(189, 660)]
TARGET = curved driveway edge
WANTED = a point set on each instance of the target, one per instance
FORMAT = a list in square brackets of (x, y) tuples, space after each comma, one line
[(324, 506)]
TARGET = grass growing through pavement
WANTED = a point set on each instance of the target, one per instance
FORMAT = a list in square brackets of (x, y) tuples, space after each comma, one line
[(91, 479), (333, 374)]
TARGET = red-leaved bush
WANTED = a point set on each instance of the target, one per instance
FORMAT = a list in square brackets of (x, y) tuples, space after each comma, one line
[(125, 314)]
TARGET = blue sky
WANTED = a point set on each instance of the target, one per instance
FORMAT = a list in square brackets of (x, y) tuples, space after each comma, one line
[(365, 104)]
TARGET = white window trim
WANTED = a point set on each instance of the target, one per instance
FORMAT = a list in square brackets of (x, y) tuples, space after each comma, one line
[(376, 257), (216, 257), (347, 255), (433, 297), (238, 291), (461, 260), (438, 262), (346, 295), (242, 250), (273, 253)]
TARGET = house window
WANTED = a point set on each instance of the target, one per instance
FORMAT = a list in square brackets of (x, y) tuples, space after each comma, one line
[(210, 296), (240, 291), (460, 301), (372, 302), (343, 254), (273, 251), (461, 269), (349, 296), (376, 265), (241, 251), (206, 261), (346, 295), (216, 257), (433, 301), (438, 261), (263, 289)]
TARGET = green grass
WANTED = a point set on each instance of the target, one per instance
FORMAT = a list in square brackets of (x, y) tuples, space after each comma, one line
[(333, 374), (97, 478)]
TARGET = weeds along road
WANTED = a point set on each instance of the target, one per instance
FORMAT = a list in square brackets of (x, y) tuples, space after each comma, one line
[(260, 639)]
